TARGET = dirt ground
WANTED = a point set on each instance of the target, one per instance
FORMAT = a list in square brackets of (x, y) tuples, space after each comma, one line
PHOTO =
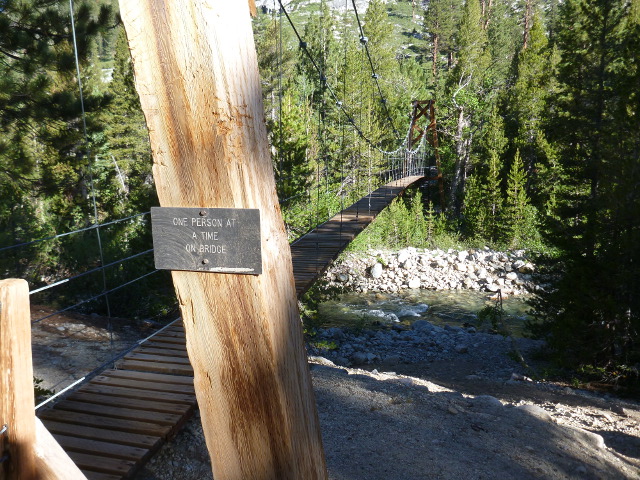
[(452, 418), (439, 421), (69, 345)]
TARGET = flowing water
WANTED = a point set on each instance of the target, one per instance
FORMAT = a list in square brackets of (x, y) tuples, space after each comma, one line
[(456, 308)]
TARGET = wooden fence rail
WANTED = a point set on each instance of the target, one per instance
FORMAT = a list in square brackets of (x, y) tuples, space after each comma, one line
[(27, 449)]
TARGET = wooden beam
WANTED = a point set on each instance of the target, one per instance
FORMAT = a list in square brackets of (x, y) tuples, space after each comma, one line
[(16, 380), (197, 76), (52, 462), (33, 453)]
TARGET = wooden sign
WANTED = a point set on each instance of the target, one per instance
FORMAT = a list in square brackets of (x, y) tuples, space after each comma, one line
[(219, 240)]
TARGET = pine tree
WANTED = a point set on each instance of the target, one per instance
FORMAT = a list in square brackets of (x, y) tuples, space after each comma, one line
[(276, 59), (503, 33), (43, 162), (483, 200), (520, 216), (527, 106), (126, 179), (493, 197), (440, 20), (593, 315), (475, 209)]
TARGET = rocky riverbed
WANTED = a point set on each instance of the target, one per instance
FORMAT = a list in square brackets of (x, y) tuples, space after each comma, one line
[(482, 270)]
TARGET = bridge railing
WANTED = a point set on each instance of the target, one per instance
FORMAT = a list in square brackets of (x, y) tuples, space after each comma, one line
[(70, 303)]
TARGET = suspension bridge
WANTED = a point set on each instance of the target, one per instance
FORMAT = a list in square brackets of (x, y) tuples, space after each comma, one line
[(114, 420)]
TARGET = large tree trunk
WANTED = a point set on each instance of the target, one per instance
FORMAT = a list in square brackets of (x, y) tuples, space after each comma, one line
[(197, 77)]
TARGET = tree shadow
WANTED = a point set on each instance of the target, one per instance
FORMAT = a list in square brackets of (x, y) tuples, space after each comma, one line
[(391, 429)]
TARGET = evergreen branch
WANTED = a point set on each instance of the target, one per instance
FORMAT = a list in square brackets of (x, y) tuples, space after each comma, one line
[(10, 55)]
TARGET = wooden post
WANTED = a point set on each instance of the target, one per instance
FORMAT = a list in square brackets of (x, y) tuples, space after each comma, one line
[(17, 400), (52, 462), (196, 73), (33, 452)]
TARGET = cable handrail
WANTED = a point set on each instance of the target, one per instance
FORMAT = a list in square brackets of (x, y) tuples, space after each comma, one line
[(88, 272), (80, 230), (95, 297), (104, 365)]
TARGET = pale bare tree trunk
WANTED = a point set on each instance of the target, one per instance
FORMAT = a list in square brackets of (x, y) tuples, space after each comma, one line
[(463, 152), (197, 76)]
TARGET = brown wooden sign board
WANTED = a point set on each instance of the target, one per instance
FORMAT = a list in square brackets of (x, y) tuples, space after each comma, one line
[(219, 240)]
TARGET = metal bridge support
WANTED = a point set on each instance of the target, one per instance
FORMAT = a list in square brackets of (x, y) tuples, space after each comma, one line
[(197, 77)]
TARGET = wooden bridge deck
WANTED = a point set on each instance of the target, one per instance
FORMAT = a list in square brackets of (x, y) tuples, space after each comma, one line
[(113, 424), (313, 253)]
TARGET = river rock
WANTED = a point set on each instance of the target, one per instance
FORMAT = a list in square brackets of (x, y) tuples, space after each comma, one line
[(518, 264), (376, 271), (359, 358), (403, 255), (408, 264), (487, 401), (536, 411), (391, 360), (526, 268), (482, 270), (422, 325)]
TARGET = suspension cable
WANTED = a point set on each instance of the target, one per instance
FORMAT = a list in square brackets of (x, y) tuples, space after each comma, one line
[(365, 41), (90, 170), (339, 103)]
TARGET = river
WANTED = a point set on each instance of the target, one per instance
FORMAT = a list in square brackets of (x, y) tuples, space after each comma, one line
[(443, 307)]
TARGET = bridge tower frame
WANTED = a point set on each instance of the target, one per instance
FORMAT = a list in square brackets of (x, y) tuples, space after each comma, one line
[(426, 108)]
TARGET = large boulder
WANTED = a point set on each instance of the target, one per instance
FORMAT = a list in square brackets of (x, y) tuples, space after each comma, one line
[(376, 271)]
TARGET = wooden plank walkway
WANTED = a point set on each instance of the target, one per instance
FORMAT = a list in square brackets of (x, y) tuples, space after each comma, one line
[(114, 423), (313, 253)]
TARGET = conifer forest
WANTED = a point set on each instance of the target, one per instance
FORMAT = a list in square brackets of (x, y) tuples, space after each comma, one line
[(538, 120)]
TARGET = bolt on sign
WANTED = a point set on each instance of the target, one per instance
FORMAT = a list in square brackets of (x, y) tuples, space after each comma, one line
[(219, 240)]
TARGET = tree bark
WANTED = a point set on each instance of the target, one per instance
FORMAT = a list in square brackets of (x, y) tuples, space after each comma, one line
[(197, 77)]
